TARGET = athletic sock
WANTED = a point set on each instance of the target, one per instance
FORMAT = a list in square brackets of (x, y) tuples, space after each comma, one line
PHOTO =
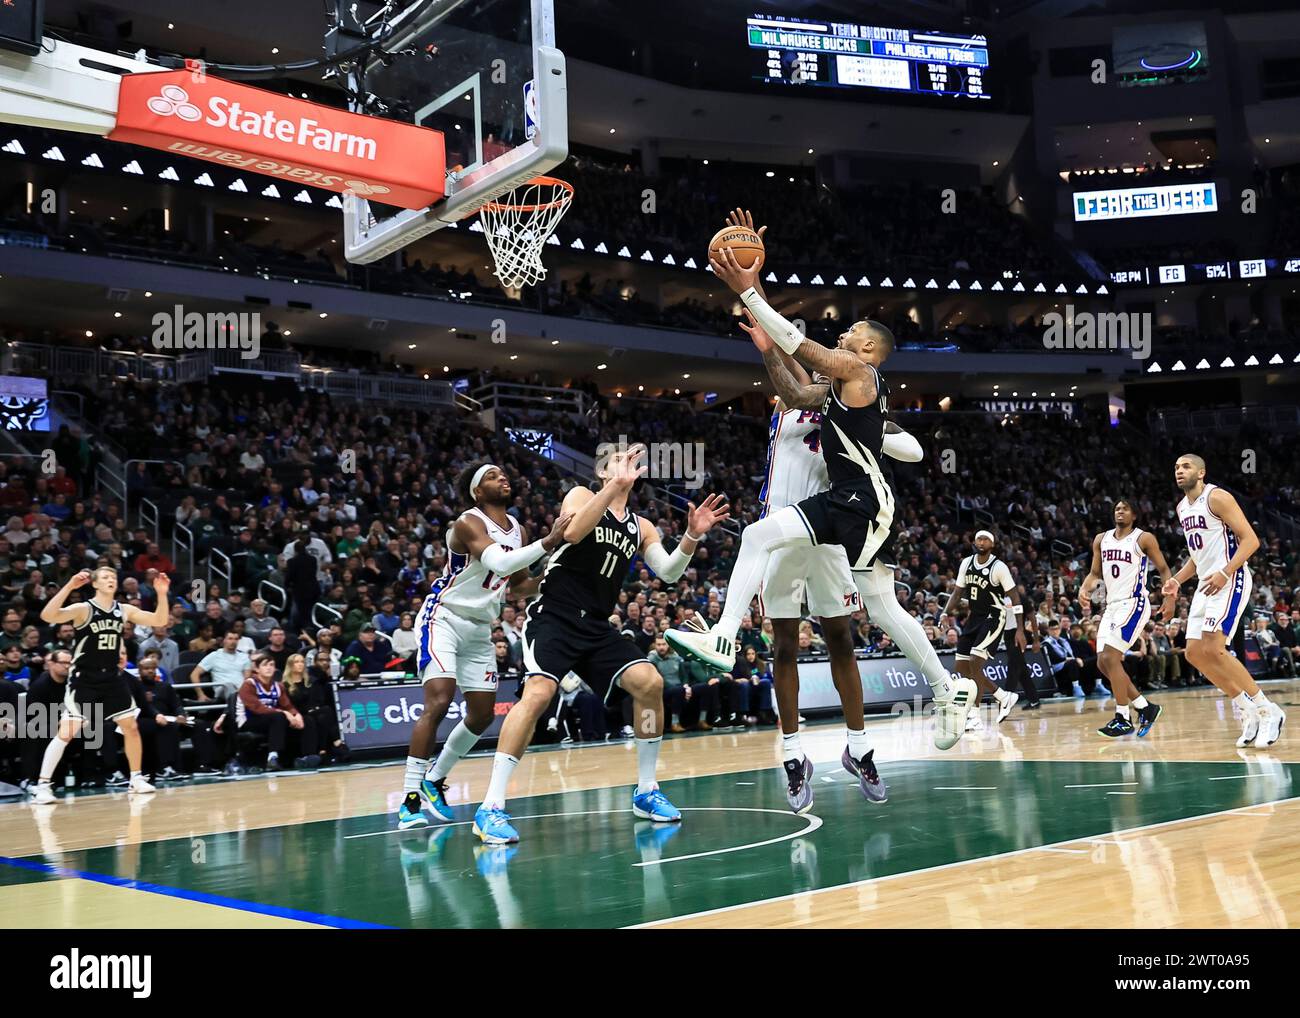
[(1140, 702), (503, 765), (459, 742), (1001, 696), (53, 754), (790, 747), (647, 759), (1260, 700), (1244, 702), (1121, 711), (415, 768), (859, 744), (136, 774)]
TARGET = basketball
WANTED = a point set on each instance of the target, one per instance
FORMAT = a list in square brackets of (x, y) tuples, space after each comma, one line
[(745, 244)]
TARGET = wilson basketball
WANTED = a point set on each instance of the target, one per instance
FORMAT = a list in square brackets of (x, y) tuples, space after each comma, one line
[(745, 244)]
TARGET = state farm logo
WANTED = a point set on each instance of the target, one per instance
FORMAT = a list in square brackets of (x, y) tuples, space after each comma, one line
[(174, 101), (363, 190)]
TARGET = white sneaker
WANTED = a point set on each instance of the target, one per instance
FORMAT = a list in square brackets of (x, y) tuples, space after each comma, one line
[(702, 644), (1249, 727), (43, 794), (1271, 719), (950, 715), (1005, 709), (974, 723), (141, 786)]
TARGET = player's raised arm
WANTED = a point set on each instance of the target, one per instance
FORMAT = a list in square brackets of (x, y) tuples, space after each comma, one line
[(471, 533), (161, 614), (1093, 577), (54, 613), (1224, 506), (797, 391), (1151, 548), (837, 363), (699, 521), (622, 471)]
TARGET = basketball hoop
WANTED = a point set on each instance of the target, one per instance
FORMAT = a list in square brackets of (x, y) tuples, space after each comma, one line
[(518, 224)]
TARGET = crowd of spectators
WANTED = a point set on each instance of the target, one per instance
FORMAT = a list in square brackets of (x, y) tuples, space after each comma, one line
[(343, 510)]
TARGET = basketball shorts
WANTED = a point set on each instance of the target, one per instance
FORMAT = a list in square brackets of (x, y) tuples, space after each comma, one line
[(92, 696), (857, 516), (1122, 622), (1221, 611), (818, 576), (454, 647), (980, 635), (557, 642)]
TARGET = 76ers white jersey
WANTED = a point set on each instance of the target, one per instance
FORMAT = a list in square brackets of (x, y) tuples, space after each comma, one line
[(1209, 539), (466, 585), (1123, 566), (795, 468)]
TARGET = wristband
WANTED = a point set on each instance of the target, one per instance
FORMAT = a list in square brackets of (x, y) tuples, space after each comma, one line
[(692, 537)]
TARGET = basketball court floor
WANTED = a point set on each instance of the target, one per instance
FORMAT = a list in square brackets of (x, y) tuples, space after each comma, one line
[(1041, 823)]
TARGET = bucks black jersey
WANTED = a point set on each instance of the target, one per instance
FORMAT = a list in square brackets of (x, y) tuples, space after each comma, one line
[(853, 438), (585, 578), (984, 586), (98, 642)]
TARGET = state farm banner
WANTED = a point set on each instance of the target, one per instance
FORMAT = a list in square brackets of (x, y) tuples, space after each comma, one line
[(203, 117)]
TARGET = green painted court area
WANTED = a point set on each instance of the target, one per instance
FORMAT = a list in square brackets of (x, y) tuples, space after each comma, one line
[(584, 861)]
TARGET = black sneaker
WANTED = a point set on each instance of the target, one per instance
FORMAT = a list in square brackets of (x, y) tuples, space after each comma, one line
[(1032, 705), (118, 780), (1147, 717), (1116, 727), (205, 771)]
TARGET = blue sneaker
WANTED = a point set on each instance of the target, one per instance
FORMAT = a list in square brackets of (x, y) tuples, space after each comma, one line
[(435, 794), (409, 814), (492, 827), (1147, 717), (654, 805)]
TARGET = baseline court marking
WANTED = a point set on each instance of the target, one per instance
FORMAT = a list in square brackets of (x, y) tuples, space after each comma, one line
[(1235, 811)]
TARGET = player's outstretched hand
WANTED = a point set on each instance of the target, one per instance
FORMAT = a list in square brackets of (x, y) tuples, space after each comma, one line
[(1170, 587), (726, 268), (81, 579), (757, 333), (1215, 583), (556, 537), (712, 511), (624, 469), (744, 218), (1168, 609), (161, 584)]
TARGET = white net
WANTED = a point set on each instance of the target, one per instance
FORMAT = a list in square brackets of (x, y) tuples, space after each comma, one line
[(517, 225)]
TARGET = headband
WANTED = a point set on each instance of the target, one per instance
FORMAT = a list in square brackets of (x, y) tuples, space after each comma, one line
[(985, 533), (478, 476)]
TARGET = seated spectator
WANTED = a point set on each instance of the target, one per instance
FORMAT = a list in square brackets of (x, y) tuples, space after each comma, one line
[(169, 654), (14, 669), (264, 706), (259, 624), (373, 652), (224, 669), (385, 621), (751, 692), (405, 640), (163, 722), (1287, 641), (153, 558), (311, 690)]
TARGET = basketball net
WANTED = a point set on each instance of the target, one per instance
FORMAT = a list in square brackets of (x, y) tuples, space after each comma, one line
[(518, 224)]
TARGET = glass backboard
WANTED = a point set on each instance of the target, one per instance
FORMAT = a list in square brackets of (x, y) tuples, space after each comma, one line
[(486, 74)]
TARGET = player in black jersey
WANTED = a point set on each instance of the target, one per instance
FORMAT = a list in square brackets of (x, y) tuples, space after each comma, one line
[(984, 582), (98, 690), (567, 630), (857, 511)]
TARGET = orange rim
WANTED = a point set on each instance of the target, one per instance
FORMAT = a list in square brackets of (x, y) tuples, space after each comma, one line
[(567, 195)]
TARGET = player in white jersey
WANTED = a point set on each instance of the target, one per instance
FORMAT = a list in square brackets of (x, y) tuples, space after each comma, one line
[(486, 558), (1121, 559), (1221, 541)]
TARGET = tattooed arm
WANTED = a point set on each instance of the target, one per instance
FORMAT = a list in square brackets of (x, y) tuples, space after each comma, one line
[(792, 383)]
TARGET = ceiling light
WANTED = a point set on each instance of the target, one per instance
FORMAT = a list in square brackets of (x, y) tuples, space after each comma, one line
[(324, 314)]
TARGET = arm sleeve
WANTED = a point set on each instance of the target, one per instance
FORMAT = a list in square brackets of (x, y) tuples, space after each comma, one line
[(666, 567), (903, 447), (783, 333), (506, 563)]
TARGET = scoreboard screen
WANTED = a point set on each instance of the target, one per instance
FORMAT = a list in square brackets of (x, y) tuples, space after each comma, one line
[(795, 51)]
